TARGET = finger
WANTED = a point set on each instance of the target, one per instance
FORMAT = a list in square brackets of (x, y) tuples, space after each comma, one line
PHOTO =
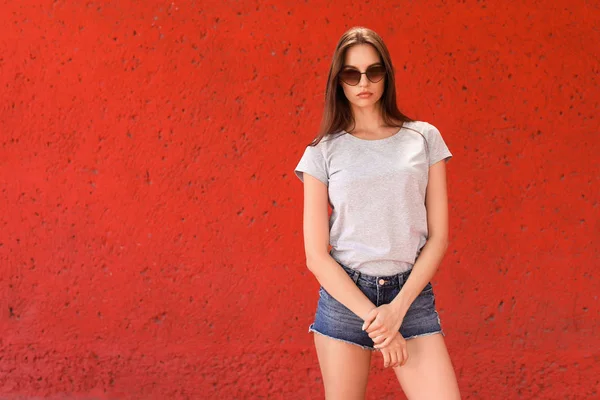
[(378, 340), (387, 341), (369, 319), (393, 358), (373, 327), (386, 359), (400, 358), (374, 334), (398, 354), (405, 354), (377, 328)]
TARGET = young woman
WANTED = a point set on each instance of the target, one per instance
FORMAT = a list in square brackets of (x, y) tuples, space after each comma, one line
[(384, 175)]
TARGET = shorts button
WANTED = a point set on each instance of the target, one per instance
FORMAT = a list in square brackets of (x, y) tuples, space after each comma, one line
[(381, 281)]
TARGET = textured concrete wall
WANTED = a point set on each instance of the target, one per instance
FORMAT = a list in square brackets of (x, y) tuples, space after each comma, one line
[(150, 224)]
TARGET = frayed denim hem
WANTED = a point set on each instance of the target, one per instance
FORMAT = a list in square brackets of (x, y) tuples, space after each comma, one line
[(425, 334), (310, 329)]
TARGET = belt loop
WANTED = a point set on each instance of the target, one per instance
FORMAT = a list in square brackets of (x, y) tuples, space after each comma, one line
[(400, 280), (355, 276)]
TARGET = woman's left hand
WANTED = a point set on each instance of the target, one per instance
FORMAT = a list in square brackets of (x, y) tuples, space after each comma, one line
[(382, 324)]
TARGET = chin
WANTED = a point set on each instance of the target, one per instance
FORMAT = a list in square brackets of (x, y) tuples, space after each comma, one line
[(369, 103)]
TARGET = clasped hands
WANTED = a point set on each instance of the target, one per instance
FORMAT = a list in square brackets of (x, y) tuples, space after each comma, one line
[(383, 326)]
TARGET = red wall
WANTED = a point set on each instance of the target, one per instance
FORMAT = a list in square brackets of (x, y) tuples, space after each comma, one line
[(151, 225)]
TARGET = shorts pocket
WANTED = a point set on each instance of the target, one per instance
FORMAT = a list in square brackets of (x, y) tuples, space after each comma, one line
[(328, 298), (333, 309), (427, 289), (323, 292)]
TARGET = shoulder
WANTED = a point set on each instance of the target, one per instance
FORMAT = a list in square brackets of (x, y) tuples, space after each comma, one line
[(328, 143), (423, 127)]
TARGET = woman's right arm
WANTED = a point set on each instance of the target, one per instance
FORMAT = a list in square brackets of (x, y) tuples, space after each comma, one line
[(316, 246)]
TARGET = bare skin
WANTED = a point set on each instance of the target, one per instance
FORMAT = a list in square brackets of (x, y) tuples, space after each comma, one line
[(344, 368), (422, 365), (427, 374)]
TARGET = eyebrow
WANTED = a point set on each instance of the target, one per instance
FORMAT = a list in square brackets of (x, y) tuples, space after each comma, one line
[(352, 66)]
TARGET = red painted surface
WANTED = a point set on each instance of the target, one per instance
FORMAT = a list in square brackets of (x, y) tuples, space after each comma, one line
[(150, 224)]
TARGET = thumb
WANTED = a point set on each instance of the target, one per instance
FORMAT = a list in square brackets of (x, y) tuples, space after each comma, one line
[(369, 319)]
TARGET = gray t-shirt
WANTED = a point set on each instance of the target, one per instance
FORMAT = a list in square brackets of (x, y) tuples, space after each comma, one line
[(377, 191)]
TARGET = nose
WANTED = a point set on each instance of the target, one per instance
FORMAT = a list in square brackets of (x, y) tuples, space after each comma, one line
[(364, 81)]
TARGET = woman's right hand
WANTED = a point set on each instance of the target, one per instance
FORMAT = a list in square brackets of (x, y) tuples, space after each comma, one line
[(395, 354)]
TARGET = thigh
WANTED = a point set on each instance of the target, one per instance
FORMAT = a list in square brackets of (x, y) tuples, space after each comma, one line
[(428, 373), (344, 367), (334, 320)]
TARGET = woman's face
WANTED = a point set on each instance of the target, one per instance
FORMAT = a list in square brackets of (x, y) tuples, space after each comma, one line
[(360, 57)]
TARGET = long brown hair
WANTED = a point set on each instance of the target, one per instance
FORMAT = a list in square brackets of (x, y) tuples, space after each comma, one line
[(337, 115)]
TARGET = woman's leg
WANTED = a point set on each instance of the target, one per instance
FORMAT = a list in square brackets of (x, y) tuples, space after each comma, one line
[(428, 373), (344, 367)]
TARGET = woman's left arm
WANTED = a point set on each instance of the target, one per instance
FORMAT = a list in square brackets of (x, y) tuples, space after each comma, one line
[(436, 202), (432, 254)]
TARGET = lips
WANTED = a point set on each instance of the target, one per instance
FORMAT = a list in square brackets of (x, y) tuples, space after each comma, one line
[(364, 94)]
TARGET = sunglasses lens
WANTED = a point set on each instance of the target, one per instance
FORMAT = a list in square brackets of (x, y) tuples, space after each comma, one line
[(375, 74), (350, 76)]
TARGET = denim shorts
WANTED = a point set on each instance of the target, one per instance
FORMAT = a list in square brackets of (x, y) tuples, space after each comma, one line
[(334, 320)]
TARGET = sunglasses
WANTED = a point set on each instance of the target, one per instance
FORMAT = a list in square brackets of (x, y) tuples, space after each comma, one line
[(352, 76)]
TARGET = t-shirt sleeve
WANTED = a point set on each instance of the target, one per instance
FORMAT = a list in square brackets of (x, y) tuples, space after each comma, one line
[(313, 163), (437, 147)]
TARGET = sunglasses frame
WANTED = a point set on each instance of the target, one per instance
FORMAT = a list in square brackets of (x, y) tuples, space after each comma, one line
[(363, 73)]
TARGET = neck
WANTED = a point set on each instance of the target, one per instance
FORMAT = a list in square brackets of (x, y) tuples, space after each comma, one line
[(368, 119)]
